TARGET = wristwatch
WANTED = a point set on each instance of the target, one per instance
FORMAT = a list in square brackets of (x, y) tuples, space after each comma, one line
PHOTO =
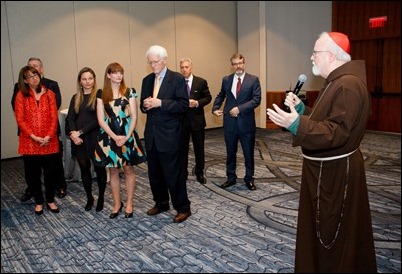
[(80, 132)]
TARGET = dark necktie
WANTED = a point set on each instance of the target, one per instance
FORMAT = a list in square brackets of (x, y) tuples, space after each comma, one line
[(188, 88), (238, 87)]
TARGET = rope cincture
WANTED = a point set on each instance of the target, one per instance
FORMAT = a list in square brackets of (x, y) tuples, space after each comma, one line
[(317, 218)]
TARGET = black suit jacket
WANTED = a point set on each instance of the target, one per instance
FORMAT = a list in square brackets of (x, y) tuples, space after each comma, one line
[(164, 124), (199, 92)]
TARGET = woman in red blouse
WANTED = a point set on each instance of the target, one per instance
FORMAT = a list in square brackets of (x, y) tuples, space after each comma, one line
[(36, 115)]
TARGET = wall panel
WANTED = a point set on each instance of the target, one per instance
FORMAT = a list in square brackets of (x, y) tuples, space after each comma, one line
[(69, 35), (380, 47)]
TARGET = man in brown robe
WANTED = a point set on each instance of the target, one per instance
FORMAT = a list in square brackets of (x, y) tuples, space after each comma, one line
[(334, 230)]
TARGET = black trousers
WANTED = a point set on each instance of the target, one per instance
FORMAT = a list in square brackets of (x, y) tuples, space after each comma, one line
[(167, 176)]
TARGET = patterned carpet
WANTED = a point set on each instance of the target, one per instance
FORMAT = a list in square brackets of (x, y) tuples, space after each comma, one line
[(231, 230)]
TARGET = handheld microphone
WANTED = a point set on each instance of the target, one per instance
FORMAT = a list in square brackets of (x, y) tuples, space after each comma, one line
[(300, 82)]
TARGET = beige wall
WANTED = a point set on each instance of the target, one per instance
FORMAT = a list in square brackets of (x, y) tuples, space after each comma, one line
[(292, 27), (275, 36), (69, 35)]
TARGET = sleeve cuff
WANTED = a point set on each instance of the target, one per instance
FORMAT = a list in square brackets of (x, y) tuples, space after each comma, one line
[(300, 108), (294, 126)]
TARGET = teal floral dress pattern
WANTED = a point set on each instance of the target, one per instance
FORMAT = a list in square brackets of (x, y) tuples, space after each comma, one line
[(118, 117)]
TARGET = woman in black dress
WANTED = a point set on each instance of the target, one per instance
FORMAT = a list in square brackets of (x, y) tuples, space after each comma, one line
[(83, 130)]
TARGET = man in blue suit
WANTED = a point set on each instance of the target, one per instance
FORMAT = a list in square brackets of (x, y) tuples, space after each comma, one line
[(242, 92), (164, 99)]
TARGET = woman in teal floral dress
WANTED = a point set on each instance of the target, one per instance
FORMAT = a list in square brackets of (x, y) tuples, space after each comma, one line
[(118, 144)]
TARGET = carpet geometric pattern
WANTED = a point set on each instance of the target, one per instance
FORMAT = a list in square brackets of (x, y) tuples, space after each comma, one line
[(231, 230)]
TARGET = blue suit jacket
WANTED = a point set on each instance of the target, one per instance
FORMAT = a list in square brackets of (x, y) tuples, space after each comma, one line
[(249, 99), (164, 124)]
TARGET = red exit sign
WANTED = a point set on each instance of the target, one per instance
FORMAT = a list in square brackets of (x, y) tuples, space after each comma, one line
[(377, 22)]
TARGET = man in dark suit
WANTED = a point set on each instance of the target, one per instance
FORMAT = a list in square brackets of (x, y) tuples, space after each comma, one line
[(242, 92), (61, 185), (194, 120), (164, 100)]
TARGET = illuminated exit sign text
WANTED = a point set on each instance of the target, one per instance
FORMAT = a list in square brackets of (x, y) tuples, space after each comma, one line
[(377, 22)]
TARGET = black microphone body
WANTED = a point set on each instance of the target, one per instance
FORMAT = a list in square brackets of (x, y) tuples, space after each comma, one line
[(300, 82), (296, 90)]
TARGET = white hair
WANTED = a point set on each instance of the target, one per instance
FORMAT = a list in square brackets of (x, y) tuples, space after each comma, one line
[(157, 51)]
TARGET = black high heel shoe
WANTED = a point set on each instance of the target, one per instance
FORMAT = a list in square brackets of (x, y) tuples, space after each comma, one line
[(128, 215), (54, 210), (99, 205), (39, 212), (115, 214), (89, 204)]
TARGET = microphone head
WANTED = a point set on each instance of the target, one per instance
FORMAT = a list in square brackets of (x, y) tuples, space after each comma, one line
[(302, 78)]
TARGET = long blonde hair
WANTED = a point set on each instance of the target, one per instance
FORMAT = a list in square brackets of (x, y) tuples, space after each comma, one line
[(79, 97)]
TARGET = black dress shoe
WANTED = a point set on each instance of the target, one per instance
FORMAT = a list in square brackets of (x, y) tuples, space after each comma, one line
[(54, 210), (227, 184), (115, 214), (251, 186), (61, 193), (89, 204), (201, 179), (26, 197), (181, 217), (156, 210)]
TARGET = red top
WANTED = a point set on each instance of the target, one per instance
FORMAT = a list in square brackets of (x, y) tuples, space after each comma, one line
[(38, 118)]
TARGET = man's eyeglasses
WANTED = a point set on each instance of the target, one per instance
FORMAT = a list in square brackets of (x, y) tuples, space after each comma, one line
[(237, 64), (314, 53), (154, 63), (32, 76)]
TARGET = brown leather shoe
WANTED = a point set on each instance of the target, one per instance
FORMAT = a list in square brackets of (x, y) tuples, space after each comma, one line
[(181, 217), (156, 210)]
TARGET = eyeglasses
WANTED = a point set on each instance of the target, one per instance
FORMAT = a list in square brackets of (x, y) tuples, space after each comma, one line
[(237, 64), (314, 53), (154, 63), (32, 76)]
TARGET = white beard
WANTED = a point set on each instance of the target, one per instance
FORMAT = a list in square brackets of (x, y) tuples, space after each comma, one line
[(316, 71)]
